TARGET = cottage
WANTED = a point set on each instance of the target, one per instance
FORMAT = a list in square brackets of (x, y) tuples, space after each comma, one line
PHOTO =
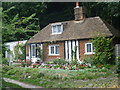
[(61, 39)]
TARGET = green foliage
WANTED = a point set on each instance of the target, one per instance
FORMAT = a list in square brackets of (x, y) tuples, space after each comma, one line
[(16, 27), (118, 65), (40, 52), (53, 78), (103, 50), (60, 61), (55, 74), (5, 61), (19, 51), (89, 60), (73, 56), (74, 60)]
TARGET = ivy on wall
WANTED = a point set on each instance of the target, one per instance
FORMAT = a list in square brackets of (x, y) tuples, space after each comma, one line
[(103, 50)]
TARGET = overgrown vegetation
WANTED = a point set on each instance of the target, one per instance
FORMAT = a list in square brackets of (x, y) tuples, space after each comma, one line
[(55, 77), (103, 50), (19, 51), (118, 65), (60, 61)]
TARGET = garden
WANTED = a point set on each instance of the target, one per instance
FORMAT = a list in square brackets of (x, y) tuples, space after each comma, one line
[(98, 71)]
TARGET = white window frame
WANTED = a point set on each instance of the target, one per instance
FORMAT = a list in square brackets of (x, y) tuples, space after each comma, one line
[(32, 50), (92, 49), (54, 50), (57, 29)]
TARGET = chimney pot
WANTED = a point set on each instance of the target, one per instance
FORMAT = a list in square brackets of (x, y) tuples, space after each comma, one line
[(77, 5)]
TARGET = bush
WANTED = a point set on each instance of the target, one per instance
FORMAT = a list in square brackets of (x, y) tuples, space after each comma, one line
[(5, 61), (103, 50), (60, 61), (89, 60), (118, 65), (7, 68)]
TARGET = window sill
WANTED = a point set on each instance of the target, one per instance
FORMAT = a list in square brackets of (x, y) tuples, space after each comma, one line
[(53, 54), (56, 33), (89, 53)]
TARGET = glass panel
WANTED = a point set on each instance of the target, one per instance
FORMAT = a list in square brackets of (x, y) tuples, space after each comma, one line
[(59, 28), (57, 50), (33, 50), (52, 49), (88, 47), (38, 50), (33, 47), (54, 29)]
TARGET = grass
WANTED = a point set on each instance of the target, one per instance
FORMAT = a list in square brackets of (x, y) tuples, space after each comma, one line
[(53, 78)]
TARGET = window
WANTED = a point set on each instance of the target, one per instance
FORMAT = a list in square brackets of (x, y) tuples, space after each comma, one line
[(33, 50), (57, 28), (89, 48), (54, 50)]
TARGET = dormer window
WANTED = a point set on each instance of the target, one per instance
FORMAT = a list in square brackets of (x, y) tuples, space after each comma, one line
[(57, 28)]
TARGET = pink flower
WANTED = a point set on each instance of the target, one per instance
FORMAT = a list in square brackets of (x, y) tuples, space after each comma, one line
[(69, 68), (84, 65)]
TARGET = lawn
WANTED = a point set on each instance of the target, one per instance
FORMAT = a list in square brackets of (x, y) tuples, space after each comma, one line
[(58, 78)]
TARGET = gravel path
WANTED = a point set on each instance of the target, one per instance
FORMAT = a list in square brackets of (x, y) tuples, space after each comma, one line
[(24, 85)]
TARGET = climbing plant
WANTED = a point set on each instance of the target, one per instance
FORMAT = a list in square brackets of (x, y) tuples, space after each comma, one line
[(103, 50), (40, 52), (73, 56), (19, 51)]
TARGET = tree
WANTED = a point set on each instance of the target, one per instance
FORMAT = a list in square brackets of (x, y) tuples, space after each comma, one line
[(16, 27)]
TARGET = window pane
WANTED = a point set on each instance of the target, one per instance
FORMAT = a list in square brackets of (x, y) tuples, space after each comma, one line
[(59, 28), (33, 50), (57, 50), (88, 47), (52, 50), (54, 29)]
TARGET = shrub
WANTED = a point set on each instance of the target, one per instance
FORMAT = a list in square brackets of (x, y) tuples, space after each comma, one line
[(74, 62), (89, 60), (5, 61), (103, 50), (118, 65), (6, 68), (60, 61)]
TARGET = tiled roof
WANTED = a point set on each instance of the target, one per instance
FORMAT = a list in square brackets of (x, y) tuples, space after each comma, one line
[(86, 29)]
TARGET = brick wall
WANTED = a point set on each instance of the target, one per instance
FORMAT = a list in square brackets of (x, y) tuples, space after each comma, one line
[(82, 48), (48, 57)]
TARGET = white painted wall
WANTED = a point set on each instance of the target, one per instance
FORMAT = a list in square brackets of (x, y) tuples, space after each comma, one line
[(69, 46), (11, 46)]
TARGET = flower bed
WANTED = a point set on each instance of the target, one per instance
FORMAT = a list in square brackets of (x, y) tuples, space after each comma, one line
[(65, 66)]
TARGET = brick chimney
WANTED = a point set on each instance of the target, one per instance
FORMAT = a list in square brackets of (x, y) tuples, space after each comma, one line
[(79, 12)]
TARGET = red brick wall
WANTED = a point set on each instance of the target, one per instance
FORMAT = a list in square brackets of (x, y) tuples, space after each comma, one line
[(48, 57), (82, 48)]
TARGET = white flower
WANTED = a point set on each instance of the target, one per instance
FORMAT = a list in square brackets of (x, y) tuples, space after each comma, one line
[(29, 76)]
